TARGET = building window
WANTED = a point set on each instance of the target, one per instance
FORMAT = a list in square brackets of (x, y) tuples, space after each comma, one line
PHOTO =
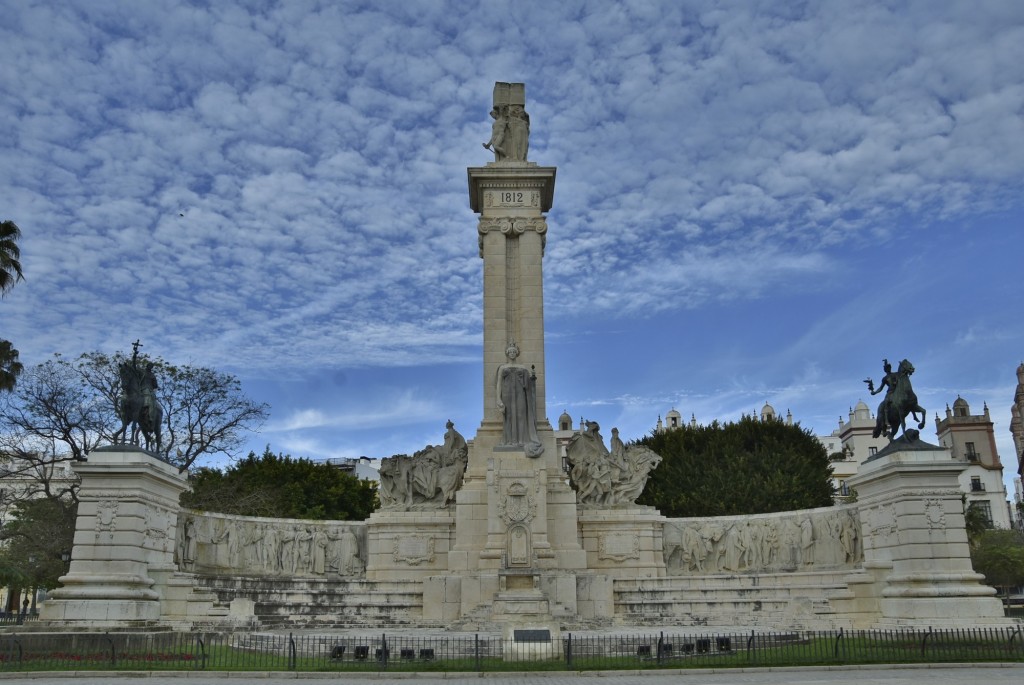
[(971, 454), (976, 484), (872, 451), (985, 509), (844, 489)]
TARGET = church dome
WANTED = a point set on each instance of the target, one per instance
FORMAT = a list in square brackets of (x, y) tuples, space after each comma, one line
[(673, 419), (861, 411), (767, 412), (960, 407), (565, 422)]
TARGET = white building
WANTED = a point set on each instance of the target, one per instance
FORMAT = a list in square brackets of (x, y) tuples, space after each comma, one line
[(360, 467), (972, 440), (850, 445)]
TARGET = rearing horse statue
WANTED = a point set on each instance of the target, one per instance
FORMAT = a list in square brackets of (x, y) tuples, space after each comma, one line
[(900, 401), (138, 408)]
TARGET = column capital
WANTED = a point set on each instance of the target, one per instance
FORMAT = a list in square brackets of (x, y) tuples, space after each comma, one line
[(512, 226)]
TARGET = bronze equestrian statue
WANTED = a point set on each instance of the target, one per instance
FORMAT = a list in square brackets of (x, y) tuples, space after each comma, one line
[(899, 402)]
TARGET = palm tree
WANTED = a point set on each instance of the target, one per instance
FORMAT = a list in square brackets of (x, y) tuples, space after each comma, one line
[(10, 266), (10, 367)]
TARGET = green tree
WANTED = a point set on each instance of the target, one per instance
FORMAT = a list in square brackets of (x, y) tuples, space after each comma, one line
[(10, 367), (281, 486), (746, 467), (38, 532), (999, 555), (976, 521), (10, 273), (10, 256)]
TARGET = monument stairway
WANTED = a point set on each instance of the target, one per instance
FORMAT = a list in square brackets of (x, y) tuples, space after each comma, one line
[(306, 603), (797, 600)]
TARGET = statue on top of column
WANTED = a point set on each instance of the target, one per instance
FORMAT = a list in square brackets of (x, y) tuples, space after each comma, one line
[(510, 132)]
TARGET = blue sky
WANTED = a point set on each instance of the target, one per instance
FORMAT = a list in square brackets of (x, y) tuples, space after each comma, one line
[(756, 202)]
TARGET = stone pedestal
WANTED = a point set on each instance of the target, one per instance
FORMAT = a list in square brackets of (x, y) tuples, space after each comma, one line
[(624, 543), (124, 536), (408, 545), (915, 540)]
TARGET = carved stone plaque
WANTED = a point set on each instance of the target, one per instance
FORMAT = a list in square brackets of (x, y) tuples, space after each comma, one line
[(413, 550), (619, 547)]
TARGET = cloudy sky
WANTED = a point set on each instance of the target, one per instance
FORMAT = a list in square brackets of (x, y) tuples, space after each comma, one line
[(756, 202)]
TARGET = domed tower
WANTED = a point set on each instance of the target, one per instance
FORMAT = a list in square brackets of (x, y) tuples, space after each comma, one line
[(861, 412), (960, 407), (767, 412), (673, 419), (971, 439)]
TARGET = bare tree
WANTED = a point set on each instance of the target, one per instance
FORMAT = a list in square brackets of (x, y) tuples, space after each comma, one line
[(60, 410)]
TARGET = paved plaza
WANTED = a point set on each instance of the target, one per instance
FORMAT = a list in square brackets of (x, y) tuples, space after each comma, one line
[(965, 674)]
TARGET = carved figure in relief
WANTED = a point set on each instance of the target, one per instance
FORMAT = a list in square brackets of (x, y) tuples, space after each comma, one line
[(188, 544), (696, 549), (848, 539), (427, 480), (806, 542), (498, 128), (603, 478), (252, 544), (319, 544), (517, 138), (346, 559), (516, 392), (303, 550), (510, 132), (272, 550)]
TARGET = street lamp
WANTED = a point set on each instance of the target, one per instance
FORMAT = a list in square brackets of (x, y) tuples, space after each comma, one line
[(65, 558)]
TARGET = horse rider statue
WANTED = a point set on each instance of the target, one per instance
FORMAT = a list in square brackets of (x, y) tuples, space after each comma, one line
[(138, 406), (899, 402)]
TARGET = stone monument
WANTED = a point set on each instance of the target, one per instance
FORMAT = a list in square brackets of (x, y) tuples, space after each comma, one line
[(494, 533)]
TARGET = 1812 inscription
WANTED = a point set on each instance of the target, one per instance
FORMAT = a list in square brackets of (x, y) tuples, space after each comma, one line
[(511, 198)]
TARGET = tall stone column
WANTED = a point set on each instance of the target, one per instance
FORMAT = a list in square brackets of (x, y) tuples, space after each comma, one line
[(516, 524), (124, 535)]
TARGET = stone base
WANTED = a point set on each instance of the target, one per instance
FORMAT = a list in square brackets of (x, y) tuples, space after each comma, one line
[(106, 613), (532, 650), (624, 543), (408, 545)]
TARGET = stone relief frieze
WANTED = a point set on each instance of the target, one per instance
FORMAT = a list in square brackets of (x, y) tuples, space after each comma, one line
[(797, 541), (266, 547)]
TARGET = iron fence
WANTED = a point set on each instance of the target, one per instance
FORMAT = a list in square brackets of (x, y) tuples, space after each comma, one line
[(666, 649)]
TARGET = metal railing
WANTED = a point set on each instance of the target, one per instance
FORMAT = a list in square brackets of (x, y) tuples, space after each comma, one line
[(667, 649)]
